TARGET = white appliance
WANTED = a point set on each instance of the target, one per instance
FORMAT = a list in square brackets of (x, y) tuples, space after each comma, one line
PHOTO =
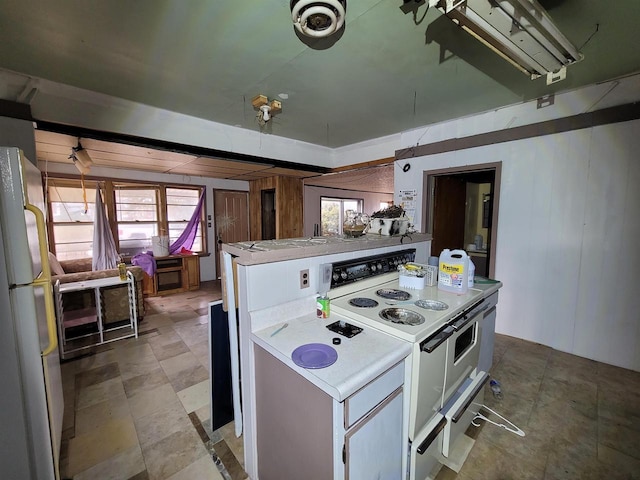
[(444, 329), (31, 404)]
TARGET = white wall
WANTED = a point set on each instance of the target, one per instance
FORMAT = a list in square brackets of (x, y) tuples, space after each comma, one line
[(207, 263), (569, 222), (375, 149), (312, 197)]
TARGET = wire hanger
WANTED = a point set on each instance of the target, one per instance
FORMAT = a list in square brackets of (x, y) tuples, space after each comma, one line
[(511, 427)]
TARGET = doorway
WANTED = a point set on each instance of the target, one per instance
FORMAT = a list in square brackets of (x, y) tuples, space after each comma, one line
[(268, 198), (461, 212), (231, 215)]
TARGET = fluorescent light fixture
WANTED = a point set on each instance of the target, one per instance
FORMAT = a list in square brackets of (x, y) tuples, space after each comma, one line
[(520, 31)]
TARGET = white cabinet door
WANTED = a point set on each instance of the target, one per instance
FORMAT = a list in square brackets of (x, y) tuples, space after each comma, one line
[(373, 447)]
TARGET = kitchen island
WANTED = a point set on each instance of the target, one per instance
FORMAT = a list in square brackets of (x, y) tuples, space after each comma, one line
[(355, 401), (342, 421)]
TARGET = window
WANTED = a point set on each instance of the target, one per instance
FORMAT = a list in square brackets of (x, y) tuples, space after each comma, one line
[(141, 211), (71, 218), (181, 203), (332, 213), (137, 218)]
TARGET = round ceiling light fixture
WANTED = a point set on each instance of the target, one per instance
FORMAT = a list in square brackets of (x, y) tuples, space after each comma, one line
[(318, 18)]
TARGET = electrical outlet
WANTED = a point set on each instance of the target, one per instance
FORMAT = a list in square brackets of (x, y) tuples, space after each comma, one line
[(304, 278)]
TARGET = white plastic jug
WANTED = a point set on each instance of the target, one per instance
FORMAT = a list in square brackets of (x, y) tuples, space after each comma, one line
[(453, 271)]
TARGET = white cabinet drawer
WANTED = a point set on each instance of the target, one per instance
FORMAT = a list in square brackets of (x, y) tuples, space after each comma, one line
[(365, 399), (468, 402)]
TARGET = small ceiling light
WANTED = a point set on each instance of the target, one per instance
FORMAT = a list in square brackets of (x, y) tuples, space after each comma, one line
[(318, 18), (266, 109), (81, 158)]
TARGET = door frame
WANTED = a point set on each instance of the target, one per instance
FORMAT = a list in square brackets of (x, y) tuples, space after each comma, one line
[(428, 201)]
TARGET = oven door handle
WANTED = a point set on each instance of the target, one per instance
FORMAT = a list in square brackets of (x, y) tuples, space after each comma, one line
[(460, 323), (458, 415), (432, 436), (430, 344)]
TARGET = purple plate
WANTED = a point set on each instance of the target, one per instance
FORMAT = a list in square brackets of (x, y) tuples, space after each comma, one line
[(314, 355)]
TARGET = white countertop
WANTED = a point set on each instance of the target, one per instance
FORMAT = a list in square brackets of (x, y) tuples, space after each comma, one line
[(267, 251), (486, 285), (361, 358)]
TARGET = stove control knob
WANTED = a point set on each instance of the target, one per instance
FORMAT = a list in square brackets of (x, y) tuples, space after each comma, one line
[(336, 276), (343, 275), (379, 266), (373, 267)]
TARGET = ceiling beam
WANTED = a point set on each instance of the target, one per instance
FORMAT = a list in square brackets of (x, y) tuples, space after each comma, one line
[(82, 132)]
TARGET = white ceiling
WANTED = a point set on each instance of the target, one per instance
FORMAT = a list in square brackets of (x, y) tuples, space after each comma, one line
[(398, 65)]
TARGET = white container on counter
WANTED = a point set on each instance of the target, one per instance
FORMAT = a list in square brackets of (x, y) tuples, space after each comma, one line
[(389, 226), (160, 245), (453, 271)]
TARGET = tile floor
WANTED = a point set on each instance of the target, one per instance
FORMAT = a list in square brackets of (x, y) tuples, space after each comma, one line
[(581, 419), (139, 409)]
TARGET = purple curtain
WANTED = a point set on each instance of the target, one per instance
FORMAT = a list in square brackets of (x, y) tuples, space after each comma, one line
[(105, 255), (187, 237)]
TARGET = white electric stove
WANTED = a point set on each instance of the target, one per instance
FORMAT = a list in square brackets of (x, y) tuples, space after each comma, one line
[(443, 330), (408, 314)]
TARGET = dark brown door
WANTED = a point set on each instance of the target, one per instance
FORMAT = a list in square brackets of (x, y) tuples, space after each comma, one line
[(449, 208), (231, 210), (268, 214)]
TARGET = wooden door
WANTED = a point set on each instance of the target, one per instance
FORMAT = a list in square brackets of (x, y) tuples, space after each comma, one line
[(448, 213), (231, 218), (268, 212)]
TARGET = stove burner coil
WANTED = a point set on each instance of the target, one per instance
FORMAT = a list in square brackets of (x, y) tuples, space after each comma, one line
[(363, 302), (401, 316), (393, 294), (431, 304)]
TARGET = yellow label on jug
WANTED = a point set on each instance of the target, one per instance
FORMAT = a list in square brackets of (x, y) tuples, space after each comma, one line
[(445, 267), (451, 275)]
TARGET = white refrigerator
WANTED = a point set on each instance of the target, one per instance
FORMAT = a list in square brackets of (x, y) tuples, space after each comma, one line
[(31, 403)]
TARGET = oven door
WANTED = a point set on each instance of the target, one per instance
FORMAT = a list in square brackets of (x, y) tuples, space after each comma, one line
[(425, 449), (463, 351), (427, 379), (461, 409)]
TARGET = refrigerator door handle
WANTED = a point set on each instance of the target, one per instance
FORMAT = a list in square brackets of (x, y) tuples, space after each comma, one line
[(44, 279)]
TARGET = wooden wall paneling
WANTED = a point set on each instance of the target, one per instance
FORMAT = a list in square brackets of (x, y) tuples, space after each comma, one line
[(255, 204), (289, 206), (289, 202)]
